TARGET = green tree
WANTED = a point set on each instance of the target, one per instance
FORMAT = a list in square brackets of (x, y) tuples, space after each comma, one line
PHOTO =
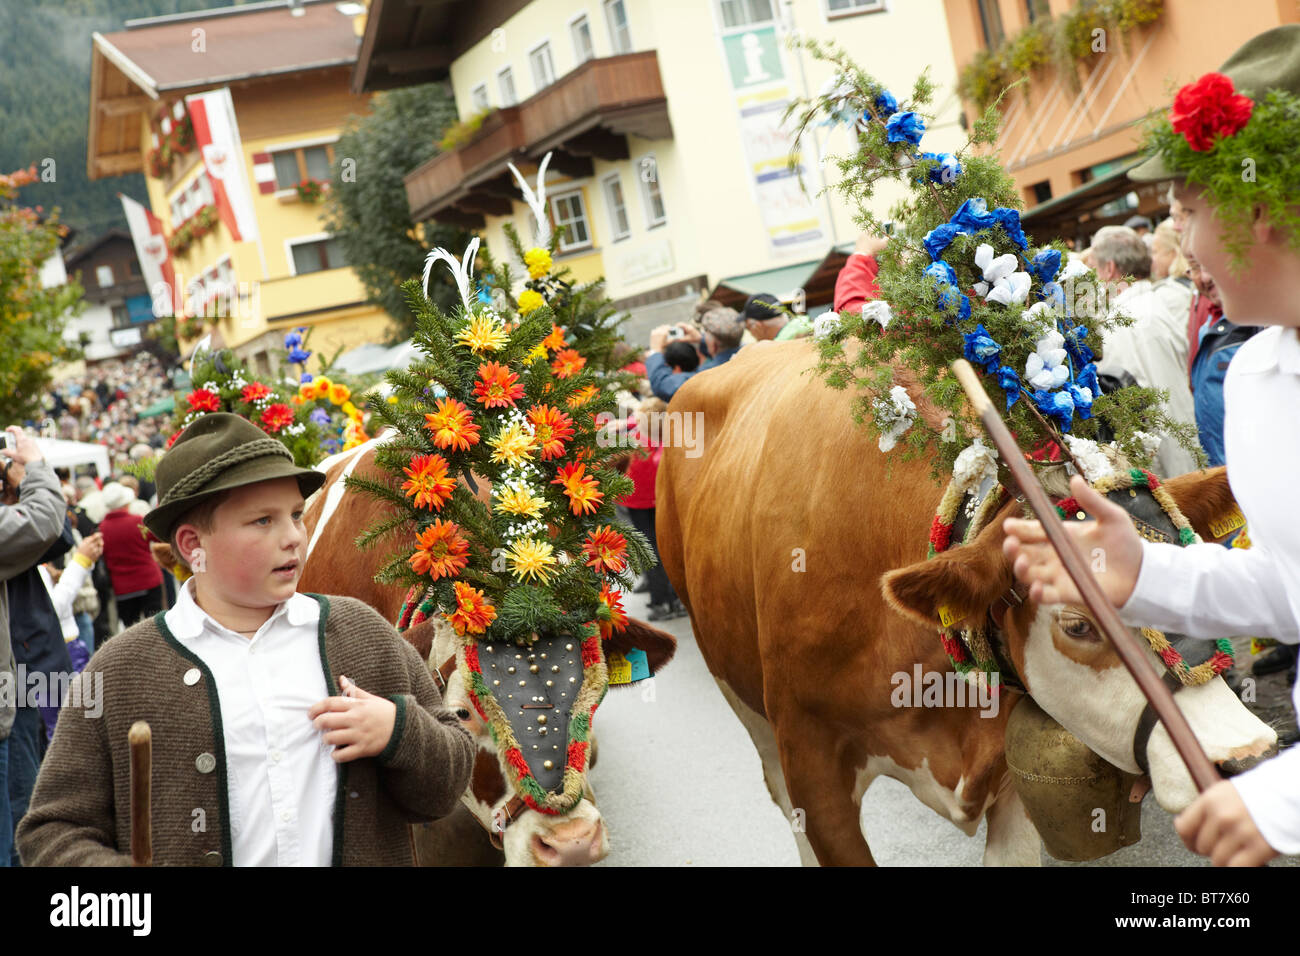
[(367, 210), (31, 317)]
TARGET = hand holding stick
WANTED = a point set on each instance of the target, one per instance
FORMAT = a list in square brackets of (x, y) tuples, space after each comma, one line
[(1103, 612)]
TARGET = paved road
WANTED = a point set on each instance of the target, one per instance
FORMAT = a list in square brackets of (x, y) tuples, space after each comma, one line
[(679, 784)]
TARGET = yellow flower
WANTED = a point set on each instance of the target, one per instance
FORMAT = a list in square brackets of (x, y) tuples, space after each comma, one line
[(512, 445), (339, 393), (518, 500), (321, 387), (530, 301), (538, 261), (392, 399), (530, 558), (483, 334), (538, 352), (349, 409)]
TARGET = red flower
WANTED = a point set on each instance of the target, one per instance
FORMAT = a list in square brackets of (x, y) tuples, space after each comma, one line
[(497, 386), (605, 550), (277, 416), (203, 400), (252, 393), (567, 363), (552, 429), (171, 441), (430, 485), (1209, 108), (940, 534), (584, 498), (610, 616)]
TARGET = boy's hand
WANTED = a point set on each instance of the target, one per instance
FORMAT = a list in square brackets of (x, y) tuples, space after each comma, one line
[(1218, 825), (358, 724), (1112, 534)]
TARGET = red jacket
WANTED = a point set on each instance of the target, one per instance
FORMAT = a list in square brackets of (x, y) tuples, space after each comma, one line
[(131, 566), (856, 283), (1202, 311), (643, 472)]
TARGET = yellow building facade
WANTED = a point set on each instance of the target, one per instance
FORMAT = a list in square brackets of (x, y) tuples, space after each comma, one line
[(289, 87)]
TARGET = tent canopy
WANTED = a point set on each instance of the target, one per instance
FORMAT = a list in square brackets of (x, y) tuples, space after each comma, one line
[(162, 407), (61, 453), (376, 358)]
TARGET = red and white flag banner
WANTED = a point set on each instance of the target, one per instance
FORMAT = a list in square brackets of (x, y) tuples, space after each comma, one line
[(216, 135), (155, 258)]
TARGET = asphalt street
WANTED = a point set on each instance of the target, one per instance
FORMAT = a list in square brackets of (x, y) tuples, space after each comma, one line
[(680, 784)]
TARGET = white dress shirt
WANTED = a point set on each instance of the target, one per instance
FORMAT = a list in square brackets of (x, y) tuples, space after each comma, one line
[(1154, 351), (1206, 590), (281, 775)]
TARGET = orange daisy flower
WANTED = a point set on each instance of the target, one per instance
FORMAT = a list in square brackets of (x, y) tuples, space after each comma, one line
[(582, 396), (441, 551), (610, 616), (429, 485), (552, 428), (606, 550), (252, 393), (452, 425), (580, 487), (567, 363), (497, 386), (555, 341), (473, 611)]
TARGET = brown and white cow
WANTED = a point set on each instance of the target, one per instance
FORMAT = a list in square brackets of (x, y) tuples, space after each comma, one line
[(776, 535), (334, 517)]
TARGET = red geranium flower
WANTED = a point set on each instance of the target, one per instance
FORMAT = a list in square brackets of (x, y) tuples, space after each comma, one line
[(277, 416), (1208, 108), (252, 393), (171, 441), (203, 400)]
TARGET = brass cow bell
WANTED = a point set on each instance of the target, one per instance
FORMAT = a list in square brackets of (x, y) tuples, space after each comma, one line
[(1078, 801)]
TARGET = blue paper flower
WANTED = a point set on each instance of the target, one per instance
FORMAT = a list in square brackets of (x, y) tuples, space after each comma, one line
[(1087, 378), (306, 377), (320, 416), (972, 216), (946, 172), (1045, 265), (1053, 295), (980, 349), (938, 239), (1080, 354), (297, 356), (1009, 220), (292, 339), (1009, 382), (885, 104), (1058, 405), (1082, 398), (905, 127), (941, 273)]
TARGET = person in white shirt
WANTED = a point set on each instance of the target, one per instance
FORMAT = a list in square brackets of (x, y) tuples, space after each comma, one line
[(1205, 590)]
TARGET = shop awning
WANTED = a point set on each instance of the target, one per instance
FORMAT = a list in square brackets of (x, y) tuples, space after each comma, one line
[(816, 278), (163, 407)]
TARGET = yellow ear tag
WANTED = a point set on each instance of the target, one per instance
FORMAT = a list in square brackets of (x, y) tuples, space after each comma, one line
[(1224, 525), (620, 669), (946, 617)]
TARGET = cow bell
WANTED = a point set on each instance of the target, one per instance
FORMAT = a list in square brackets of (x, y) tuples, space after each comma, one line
[(1078, 801)]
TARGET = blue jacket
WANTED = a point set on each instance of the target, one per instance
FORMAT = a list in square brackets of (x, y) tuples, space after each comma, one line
[(664, 382), (1218, 343)]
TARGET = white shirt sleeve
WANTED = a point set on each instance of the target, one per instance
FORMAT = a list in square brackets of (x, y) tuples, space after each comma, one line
[(1209, 591), (1271, 793)]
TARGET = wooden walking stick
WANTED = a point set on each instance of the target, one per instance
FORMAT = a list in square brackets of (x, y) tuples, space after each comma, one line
[(1130, 652), (141, 740)]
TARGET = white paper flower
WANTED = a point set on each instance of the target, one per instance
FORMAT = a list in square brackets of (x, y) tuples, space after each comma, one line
[(826, 324), (878, 310), (894, 416), (1150, 443), (992, 268), (1046, 368), (1011, 289), (975, 463), (1092, 458), (1074, 268)]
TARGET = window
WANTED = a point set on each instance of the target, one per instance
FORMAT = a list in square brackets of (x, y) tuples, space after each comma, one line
[(191, 199), (539, 58), (620, 37), (570, 211), (991, 21), (121, 316), (618, 221), (104, 276), (1041, 192), (580, 30), (651, 197), (743, 13), (479, 98), (506, 86), (316, 255), (846, 8), (295, 165)]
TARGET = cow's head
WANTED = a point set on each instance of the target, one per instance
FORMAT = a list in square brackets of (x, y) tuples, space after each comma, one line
[(1071, 671), (527, 836)]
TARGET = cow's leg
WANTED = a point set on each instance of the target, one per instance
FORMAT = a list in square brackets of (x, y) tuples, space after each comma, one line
[(1012, 839), (760, 732)]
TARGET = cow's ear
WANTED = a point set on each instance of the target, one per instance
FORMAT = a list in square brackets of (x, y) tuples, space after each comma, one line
[(420, 636), (958, 585), (659, 646), (1205, 499)]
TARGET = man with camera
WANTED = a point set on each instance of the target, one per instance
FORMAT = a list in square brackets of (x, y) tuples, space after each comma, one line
[(27, 529), (716, 337)]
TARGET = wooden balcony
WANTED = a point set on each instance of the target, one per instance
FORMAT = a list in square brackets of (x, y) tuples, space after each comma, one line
[(586, 114)]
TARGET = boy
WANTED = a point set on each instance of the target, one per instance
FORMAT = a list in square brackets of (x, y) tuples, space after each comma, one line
[(1205, 590), (267, 751)]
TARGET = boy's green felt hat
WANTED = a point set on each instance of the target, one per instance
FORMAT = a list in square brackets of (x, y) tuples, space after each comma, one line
[(216, 453), (1269, 61)]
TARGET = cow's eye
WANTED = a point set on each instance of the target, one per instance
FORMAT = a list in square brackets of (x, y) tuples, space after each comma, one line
[(1079, 628), (462, 713)]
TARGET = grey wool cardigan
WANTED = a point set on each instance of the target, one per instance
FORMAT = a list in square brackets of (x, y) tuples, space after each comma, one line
[(80, 810)]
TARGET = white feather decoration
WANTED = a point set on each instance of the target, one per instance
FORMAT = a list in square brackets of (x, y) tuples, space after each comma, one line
[(536, 200), (463, 270)]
